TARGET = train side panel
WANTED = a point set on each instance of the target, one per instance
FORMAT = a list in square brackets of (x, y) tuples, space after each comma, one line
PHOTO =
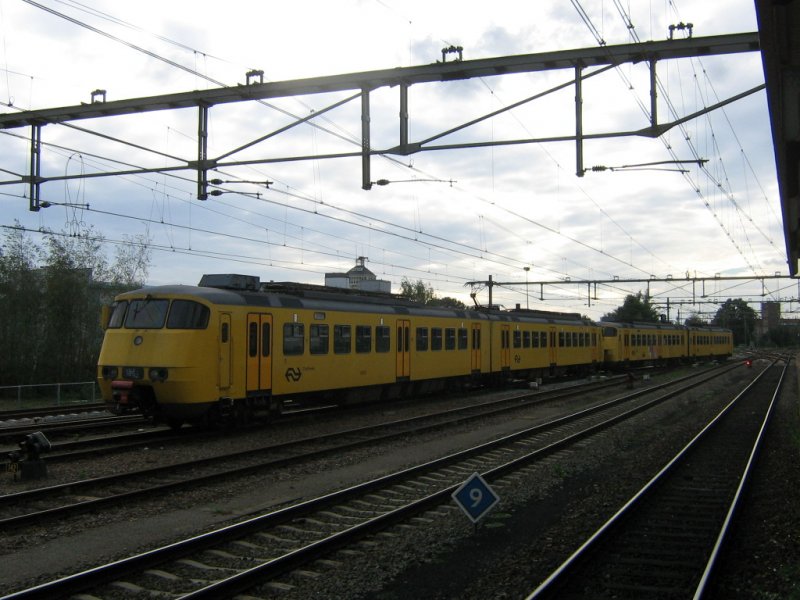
[(208, 353)]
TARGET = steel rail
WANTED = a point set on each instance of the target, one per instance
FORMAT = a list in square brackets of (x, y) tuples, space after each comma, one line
[(550, 586), (410, 425), (711, 565), (104, 574)]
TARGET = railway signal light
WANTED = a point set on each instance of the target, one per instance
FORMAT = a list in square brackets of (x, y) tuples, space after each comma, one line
[(27, 461)]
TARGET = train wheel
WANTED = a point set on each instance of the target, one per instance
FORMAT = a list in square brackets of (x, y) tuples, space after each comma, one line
[(174, 424), (242, 414)]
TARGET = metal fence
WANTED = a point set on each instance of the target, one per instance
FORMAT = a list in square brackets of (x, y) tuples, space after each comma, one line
[(16, 397)]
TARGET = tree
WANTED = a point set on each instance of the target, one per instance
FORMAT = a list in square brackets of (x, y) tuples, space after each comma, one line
[(423, 293), (418, 292), (634, 308), (132, 261), (737, 316), (694, 320), (21, 307), (73, 265), (50, 302), (447, 302)]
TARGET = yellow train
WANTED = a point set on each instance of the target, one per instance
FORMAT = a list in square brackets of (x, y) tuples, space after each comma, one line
[(663, 342), (232, 348)]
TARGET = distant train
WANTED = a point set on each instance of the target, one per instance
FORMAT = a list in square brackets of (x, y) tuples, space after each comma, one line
[(232, 348)]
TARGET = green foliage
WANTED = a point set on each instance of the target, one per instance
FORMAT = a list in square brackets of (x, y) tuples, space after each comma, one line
[(634, 308), (50, 299), (694, 321), (418, 292), (421, 292), (737, 316), (447, 302)]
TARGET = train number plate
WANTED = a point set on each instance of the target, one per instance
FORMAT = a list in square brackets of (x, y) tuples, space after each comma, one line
[(132, 373)]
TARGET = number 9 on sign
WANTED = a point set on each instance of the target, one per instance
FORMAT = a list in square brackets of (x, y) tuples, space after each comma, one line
[(475, 497)]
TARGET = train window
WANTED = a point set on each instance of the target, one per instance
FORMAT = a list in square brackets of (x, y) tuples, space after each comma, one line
[(265, 338), (318, 339), (543, 337), (224, 333), (293, 339), (450, 338), (436, 338), (252, 339), (363, 338), (575, 340), (422, 339), (609, 332), (476, 339), (463, 338), (526, 339), (535, 339), (561, 342), (342, 339), (594, 339), (185, 314), (517, 339), (383, 340), (146, 314), (117, 314)]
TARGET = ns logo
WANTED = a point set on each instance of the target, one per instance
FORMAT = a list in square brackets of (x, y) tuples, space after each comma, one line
[(293, 374)]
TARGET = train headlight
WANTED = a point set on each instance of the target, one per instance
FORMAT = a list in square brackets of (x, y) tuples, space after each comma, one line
[(158, 374), (109, 372)]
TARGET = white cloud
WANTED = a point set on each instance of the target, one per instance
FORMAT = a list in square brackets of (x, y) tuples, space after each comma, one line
[(507, 206)]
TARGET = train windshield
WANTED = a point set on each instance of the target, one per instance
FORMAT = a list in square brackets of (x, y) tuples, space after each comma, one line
[(118, 310), (146, 314), (186, 314)]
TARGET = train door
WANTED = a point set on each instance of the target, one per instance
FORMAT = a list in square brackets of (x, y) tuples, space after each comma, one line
[(259, 352), (505, 346), (475, 347), (403, 350), (224, 351), (552, 350)]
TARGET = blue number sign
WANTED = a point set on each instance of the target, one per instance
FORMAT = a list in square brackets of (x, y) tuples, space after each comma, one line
[(475, 497)]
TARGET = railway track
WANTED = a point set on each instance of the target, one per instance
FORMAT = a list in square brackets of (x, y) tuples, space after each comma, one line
[(12, 433), (74, 497), (71, 450), (664, 542), (50, 411), (243, 557)]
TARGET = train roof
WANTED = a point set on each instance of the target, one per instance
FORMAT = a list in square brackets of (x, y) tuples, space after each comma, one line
[(247, 290), (641, 325)]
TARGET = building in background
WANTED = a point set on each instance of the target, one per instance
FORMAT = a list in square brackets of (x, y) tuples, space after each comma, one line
[(358, 278)]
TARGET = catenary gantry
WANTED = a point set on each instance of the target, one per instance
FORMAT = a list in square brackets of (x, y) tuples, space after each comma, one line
[(583, 64)]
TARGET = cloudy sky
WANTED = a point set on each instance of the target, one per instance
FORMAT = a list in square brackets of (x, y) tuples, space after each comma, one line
[(449, 216)]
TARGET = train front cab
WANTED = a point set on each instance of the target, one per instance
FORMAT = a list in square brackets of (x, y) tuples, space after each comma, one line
[(159, 350), (614, 344)]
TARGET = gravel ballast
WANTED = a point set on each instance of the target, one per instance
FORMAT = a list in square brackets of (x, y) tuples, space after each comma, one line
[(544, 513)]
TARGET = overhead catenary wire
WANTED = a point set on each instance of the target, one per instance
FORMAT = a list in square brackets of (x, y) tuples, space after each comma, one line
[(509, 265)]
